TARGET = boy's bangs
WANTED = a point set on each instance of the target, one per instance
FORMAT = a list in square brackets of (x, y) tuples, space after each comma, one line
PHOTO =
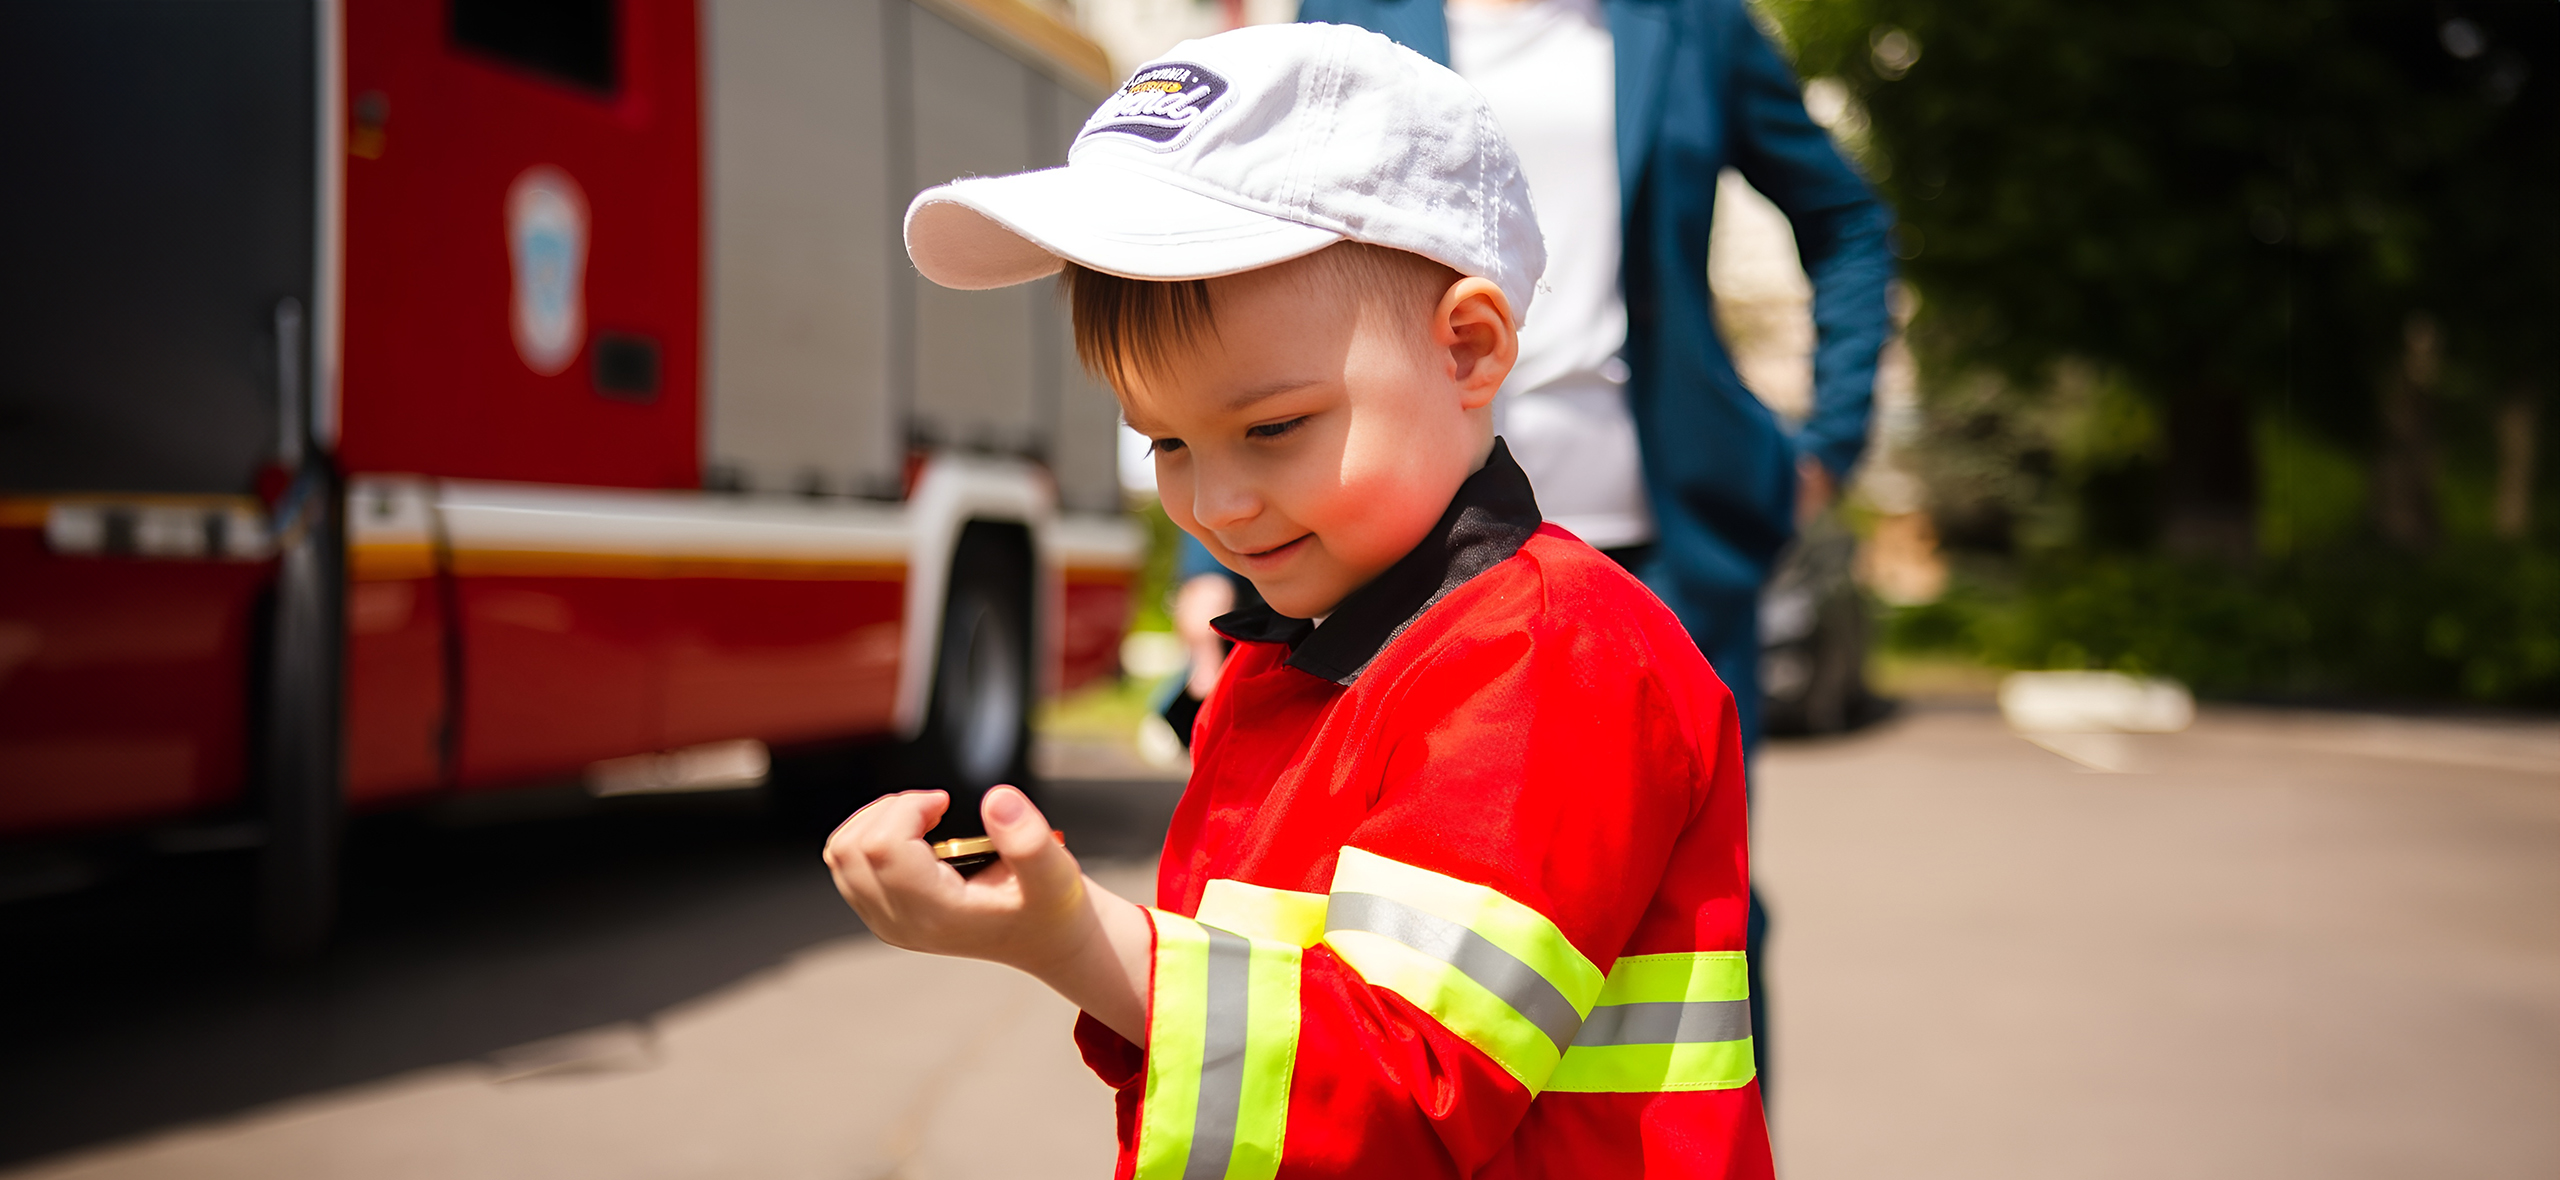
[(1125, 327)]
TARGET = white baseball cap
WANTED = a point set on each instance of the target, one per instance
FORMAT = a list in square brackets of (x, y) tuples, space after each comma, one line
[(1253, 147)]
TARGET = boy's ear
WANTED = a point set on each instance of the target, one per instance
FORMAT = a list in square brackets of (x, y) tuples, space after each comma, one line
[(1474, 326)]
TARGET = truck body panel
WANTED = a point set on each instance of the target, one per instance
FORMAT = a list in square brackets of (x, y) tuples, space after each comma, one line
[(648, 436)]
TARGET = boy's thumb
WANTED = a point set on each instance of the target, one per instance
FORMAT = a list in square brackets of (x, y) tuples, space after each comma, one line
[(1021, 835)]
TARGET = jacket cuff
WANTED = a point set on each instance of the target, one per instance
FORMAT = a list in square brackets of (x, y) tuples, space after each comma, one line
[(1222, 1044), (1108, 1054), (1838, 456), (1112, 1057)]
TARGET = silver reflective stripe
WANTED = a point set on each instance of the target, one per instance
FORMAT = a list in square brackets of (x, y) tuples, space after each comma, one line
[(1667, 1023), (1213, 1128), (1495, 969)]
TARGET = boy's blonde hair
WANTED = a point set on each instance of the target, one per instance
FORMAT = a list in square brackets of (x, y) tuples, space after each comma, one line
[(1125, 327)]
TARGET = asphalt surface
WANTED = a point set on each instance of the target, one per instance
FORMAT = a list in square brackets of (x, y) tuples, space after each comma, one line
[(2285, 945), (526, 937)]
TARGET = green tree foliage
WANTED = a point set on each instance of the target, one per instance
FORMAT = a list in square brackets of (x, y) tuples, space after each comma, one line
[(2240, 210), (2237, 321), (2473, 621)]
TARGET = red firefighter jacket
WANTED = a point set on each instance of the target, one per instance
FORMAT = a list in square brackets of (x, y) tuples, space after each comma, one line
[(1457, 887)]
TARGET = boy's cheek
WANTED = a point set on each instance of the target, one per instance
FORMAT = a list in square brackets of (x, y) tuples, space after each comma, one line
[(1369, 526), (1174, 493)]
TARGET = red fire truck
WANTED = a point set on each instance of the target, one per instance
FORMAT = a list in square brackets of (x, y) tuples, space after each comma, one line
[(412, 397)]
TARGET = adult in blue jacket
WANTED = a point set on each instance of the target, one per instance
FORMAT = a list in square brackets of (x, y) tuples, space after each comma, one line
[(1697, 89)]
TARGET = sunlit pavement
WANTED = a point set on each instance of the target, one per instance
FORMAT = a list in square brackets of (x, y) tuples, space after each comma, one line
[(2299, 946), (848, 1060), (2288, 945), (670, 991)]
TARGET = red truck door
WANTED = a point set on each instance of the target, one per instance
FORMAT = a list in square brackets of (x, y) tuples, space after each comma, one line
[(161, 207), (523, 256)]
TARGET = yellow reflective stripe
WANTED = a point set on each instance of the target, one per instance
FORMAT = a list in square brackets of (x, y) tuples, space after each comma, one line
[(1257, 911), (1653, 1069), (1176, 1030), (1489, 969), (1526, 933), (1177, 1024), (1460, 1004), (1270, 1060), (1222, 1035), (1664, 1023), (1677, 978)]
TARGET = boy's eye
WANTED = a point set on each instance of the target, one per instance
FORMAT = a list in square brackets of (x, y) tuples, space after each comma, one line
[(1164, 446), (1275, 429)]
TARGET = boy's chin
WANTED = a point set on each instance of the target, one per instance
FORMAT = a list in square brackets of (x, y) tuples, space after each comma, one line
[(1297, 600)]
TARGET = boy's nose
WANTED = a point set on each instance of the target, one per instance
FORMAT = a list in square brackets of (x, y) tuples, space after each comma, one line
[(1222, 504)]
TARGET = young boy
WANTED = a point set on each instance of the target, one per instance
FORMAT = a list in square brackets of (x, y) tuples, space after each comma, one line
[(1457, 888)]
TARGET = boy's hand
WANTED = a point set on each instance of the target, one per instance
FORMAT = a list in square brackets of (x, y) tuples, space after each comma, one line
[(1023, 910), (1033, 910)]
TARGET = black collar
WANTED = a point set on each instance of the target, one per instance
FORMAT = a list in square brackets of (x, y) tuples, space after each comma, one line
[(1488, 520)]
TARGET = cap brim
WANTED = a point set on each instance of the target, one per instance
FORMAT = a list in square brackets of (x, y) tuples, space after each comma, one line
[(996, 231)]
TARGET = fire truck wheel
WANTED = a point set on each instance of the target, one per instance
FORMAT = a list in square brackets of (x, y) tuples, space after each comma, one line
[(300, 791), (978, 730)]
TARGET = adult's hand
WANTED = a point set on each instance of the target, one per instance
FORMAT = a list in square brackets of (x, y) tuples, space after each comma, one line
[(1815, 489), (1198, 601)]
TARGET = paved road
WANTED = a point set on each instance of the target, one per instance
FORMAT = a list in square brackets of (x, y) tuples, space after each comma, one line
[(2296, 946), (552, 986)]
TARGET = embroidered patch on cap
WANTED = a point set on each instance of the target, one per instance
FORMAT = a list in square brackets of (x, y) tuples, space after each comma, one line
[(1159, 105)]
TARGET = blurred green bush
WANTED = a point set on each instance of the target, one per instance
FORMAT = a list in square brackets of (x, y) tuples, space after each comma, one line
[(2234, 328), (1153, 608), (2479, 622)]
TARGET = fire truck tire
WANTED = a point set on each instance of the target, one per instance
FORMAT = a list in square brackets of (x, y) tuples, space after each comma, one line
[(977, 729), (300, 794)]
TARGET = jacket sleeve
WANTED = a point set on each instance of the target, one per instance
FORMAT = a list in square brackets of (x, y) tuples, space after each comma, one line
[(1401, 1023), (1329, 12), (1841, 234), (1418, 25)]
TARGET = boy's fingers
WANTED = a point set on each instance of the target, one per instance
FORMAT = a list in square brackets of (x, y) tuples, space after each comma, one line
[(897, 819), (890, 809), (896, 849), (1017, 827), (887, 831), (1021, 835), (882, 864)]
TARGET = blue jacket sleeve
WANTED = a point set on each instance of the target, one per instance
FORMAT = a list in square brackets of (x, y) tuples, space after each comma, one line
[(1840, 230)]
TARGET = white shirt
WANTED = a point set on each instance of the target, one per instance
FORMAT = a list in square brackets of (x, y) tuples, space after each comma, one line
[(1549, 70)]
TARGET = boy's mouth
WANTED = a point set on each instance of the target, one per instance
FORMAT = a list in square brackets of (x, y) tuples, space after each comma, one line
[(1276, 554)]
